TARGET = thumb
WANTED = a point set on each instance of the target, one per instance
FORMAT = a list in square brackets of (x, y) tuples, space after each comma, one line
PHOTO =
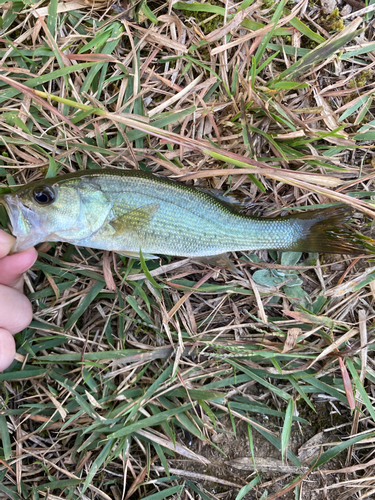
[(7, 349), (6, 243), (13, 266)]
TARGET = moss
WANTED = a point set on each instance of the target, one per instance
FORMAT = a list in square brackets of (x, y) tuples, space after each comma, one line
[(205, 55), (332, 22), (361, 80), (211, 25), (268, 4), (200, 17)]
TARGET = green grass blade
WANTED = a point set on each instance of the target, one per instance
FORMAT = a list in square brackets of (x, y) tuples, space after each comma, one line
[(162, 457), (326, 389), (149, 421), (147, 272), (86, 301), (134, 304), (5, 438), (320, 53), (305, 30), (59, 484), (287, 428), (246, 489), (359, 387), (51, 18), (265, 39), (328, 455), (9, 493), (199, 492), (165, 493), (98, 462), (199, 7), (276, 442), (251, 444), (41, 80), (109, 47), (27, 374), (352, 109), (151, 391), (284, 395)]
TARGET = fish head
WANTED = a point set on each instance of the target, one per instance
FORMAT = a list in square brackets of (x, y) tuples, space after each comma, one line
[(41, 211)]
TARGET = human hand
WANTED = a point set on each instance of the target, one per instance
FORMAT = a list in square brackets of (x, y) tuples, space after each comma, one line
[(15, 309)]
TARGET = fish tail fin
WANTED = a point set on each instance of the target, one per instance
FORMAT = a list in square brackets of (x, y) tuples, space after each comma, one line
[(327, 231)]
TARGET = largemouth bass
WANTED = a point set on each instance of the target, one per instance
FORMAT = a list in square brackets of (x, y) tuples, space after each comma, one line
[(131, 211)]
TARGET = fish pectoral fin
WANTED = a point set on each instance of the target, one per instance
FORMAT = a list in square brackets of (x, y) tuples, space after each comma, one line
[(134, 220)]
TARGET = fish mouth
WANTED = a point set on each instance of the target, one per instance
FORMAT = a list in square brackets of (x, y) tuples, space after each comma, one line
[(26, 226)]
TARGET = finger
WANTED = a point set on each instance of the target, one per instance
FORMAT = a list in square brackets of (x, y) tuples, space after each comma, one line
[(15, 310), (13, 266), (6, 243), (7, 349)]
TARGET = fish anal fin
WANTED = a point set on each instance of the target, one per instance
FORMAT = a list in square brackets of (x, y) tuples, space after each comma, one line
[(134, 220), (222, 260)]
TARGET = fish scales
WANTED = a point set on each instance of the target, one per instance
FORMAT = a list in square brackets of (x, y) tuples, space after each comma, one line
[(133, 211), (187, 222)]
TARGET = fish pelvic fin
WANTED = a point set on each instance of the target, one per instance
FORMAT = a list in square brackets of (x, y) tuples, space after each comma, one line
[(136, 255), (327, 231)]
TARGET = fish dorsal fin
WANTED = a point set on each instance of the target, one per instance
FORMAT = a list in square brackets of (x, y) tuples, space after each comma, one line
[(234, 201), (134, 220)]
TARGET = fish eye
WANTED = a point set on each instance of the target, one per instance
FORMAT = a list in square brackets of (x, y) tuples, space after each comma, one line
[(44, 195)]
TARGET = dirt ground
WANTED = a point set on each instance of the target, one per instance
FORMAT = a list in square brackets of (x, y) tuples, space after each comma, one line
[(234, 463)]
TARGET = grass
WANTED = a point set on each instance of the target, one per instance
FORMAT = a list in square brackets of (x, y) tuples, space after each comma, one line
[(150, 379)]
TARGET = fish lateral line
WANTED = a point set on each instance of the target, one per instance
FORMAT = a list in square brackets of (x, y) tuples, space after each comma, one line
[(127, 210)]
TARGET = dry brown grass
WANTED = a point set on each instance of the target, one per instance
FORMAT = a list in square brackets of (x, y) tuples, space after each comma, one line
[(133, 375)]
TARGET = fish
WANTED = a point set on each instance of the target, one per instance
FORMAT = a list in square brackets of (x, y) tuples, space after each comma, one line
[(133, 212)]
